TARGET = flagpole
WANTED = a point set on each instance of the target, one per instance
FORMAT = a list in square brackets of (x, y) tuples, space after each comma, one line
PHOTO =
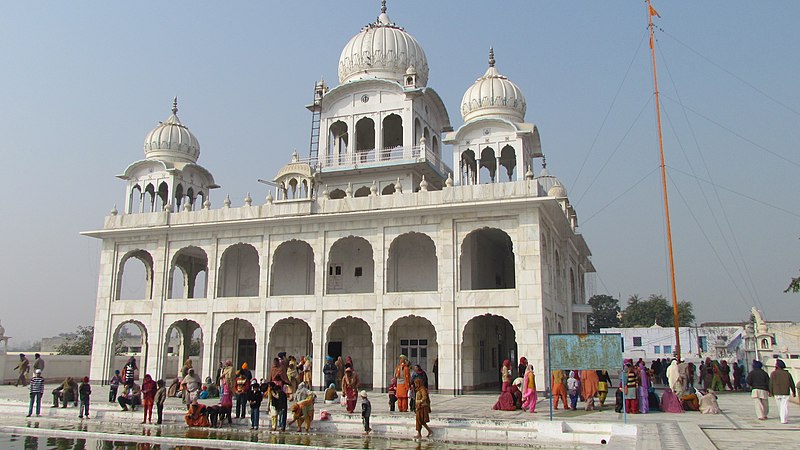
[(650, 13)]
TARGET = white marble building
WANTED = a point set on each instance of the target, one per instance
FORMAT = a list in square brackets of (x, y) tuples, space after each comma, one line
[(371, 247)]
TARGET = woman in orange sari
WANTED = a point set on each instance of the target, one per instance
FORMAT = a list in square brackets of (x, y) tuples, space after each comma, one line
[(589, 382), (403, 375), (196, 416), (559, 388)]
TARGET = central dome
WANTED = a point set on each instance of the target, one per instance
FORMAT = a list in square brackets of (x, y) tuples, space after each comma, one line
[(382, 50)]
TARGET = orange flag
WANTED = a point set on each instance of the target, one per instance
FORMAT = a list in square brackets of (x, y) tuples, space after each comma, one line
[(653, 12)]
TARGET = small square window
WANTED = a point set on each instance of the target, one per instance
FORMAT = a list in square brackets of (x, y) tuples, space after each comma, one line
[(667, 349), (657, 349), (403, 341), (423, 342), (338, 270), (359, 271), (414, 342), (637, 341)]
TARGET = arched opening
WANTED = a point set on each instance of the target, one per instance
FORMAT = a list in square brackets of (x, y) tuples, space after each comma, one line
[(468, 167), (135, 201), (337, 141), (183, 340), (351, 336), (389, 189), (412, 265), (488, 167), (129, 339), (199, 201), (363, 191), (435, 147), (236, 340), (293, 269), (187, 264), (392, 134), (149, 199), (337, 194), (427, 135), (190, 197), (487, 340), (163, 194), (573, 291), (178, 197), (292, 336), (508, 160), (365, 138), (135, 276), (239, 272), (545, 264), (417, 131), (487, 260), (414, 337), (557, 277), (351, 268)]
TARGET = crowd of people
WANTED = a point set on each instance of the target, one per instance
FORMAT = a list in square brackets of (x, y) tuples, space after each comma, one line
[(686, 388)]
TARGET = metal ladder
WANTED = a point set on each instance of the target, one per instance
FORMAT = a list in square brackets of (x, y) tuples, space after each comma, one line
[(316, 111)]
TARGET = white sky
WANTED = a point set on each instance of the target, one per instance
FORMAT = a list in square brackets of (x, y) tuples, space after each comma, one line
[(83, 82)]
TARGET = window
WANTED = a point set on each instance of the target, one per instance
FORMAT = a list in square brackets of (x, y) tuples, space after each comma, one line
[(702, 342), (622, 342), (667, 349), (657, 349), (637, 341), (359, 271)]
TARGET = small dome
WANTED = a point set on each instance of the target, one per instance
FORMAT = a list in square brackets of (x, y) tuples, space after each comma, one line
[(171, 141), (382, 50), (493, 95), (557, 190)]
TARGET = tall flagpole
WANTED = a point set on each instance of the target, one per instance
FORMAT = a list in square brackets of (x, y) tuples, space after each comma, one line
[(650, 13)]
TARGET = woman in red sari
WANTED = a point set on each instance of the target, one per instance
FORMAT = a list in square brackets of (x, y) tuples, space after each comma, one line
[(350, 388)]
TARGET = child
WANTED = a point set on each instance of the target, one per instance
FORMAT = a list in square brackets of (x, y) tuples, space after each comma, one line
[(392, 394), (572, 389), (254, 399), (84, 391), (161, 397), (366, 411), (114, 386)]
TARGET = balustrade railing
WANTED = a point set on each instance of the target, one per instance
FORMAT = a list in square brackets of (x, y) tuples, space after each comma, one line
[(387, 156)]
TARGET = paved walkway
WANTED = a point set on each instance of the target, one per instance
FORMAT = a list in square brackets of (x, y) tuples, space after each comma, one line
[(736, 427)]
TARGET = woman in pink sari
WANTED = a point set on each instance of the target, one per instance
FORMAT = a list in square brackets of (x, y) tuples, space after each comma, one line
[(529, 396)]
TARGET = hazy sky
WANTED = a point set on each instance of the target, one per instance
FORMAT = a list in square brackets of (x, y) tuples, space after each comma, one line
[(82, 83)]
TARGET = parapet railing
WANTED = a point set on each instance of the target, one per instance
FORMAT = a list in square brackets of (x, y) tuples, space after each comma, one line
[(389, 155)]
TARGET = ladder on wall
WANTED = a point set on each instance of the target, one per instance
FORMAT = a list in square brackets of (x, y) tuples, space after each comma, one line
[(316, 112)]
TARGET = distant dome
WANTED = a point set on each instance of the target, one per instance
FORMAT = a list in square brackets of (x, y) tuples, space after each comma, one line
[(171, 141), (557, 190), (382, 50), (493, 95)]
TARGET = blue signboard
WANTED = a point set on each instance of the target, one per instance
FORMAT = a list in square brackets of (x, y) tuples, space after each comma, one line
[(585, 351)]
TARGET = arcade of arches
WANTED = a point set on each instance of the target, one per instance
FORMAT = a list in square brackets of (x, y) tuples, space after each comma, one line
[(485, 342)]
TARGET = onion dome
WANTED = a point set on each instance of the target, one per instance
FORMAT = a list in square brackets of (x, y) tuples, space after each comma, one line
[(557, 190), (382, 50), (493, 95), (171, 141)]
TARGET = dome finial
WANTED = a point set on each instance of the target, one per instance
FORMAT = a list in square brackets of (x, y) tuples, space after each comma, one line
[(383, 6), (175, 105), (491, 56), (544, 162)]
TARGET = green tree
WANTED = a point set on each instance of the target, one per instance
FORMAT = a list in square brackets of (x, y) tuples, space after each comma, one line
[(605, 312), (78, 344), (794, 286), (643, 313)]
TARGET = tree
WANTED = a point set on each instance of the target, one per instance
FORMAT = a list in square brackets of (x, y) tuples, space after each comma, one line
[(605, 311), (656, 309), (794, 286), (78, 344)]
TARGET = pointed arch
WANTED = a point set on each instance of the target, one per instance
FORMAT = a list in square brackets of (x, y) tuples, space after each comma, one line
[(412, 265), (487, 260), (135, 276)]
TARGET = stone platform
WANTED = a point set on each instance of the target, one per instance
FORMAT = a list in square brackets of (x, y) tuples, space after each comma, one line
[(469, 419)]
